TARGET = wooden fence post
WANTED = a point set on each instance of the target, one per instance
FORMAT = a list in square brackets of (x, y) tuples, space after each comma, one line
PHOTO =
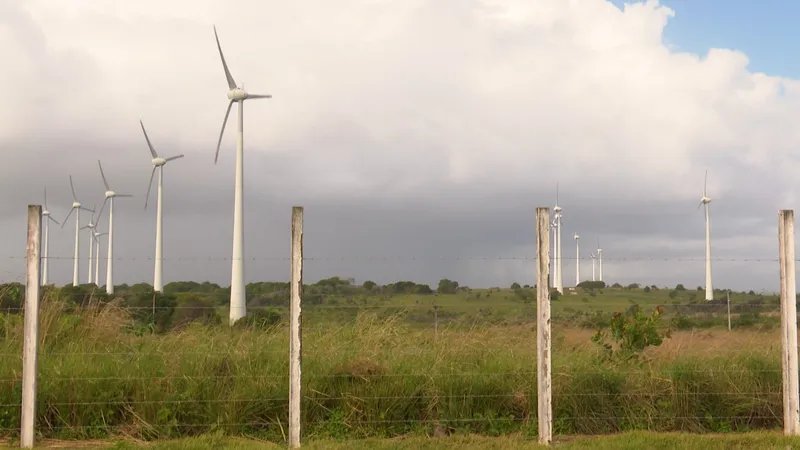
[(791, 391), (295, 330), (30, 349), (544, 357)]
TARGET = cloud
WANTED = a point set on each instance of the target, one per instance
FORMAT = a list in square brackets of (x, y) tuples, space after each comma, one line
[(427, 128)]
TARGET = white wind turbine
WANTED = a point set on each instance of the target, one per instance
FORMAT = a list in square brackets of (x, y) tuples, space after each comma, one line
[(577, 259), (96, 237), (91, 227), (600, 260), (110, 195), (76, 206), (47, 219), (158, 163), (558, 270), (236, 95), (594, 261), (704, 202)]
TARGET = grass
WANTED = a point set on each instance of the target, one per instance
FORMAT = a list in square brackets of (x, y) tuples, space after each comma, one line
[(624, 441), (377, 377)]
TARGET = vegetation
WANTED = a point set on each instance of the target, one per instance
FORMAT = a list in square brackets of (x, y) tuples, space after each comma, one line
[(153, 366)]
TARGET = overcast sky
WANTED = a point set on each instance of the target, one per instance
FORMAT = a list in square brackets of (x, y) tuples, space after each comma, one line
[(419, 135)]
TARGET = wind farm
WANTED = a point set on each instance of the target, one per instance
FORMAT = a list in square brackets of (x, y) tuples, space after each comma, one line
[(422, 300)]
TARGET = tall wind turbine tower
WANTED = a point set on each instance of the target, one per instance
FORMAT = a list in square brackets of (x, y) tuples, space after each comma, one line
[(555, 251), (558, 270), (110, 195), (577, 259), (600, 261), (704, 202), (76, 206), (236, 95), (47, 219), (158, 163), (594, 262)]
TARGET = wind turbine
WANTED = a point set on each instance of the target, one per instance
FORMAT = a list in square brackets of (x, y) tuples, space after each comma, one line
[(110, 195), (555, 250), (704, 202), (236, 95), (96, 237), (47, 219), (600, 260), (559, 279), (91, 226), (76, 206), (577, 259), (158, 163), (594, 260)]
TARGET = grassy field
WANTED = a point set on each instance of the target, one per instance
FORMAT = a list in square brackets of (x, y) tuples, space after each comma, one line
[(373, 369)]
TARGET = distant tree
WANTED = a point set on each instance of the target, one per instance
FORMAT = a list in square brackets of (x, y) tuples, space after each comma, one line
[(647, 289), (527, 286), (680, 287), (515, 286), (633, 286), (592, 284), (447, 286), (699, 288), (368, 285), (673, 293), (616, 286)]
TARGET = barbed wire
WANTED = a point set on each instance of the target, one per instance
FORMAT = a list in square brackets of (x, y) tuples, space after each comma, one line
[(420, 258)]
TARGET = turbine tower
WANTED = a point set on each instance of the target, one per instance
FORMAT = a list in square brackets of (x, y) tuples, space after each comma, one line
[(110, 195), (47, 219), (704, 202), (555, 250), (158, 163), (600, 261), (97, 255), (558, 270), (594, 261), (577, 259), (90, 226), (236, 95), (76, 206)]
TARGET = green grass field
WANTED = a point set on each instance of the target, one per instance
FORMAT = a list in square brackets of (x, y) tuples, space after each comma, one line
[(376, 375)]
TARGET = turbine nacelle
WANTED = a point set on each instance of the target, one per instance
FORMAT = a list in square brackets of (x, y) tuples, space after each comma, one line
[(76, 205), (237, 94), (576, 237), (159, 161), (45, 213), (705, 200), (557, 209), (110, 194)]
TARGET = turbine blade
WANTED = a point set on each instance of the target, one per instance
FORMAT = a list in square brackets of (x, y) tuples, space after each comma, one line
[(222, 131), (45, 198), (100, 213), (85, 226), (72, 186), (149, 185), (705, 184), (701, 204), (231, 83), (124, 195), (152, 150), (54, 220), (87, 209), (65, 218), (108, 188), (175, 157), (249, 96)]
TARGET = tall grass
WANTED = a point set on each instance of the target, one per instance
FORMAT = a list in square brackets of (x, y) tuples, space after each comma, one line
[(375, 376)]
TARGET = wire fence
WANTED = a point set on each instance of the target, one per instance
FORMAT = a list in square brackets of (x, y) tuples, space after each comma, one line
[(392, 358)]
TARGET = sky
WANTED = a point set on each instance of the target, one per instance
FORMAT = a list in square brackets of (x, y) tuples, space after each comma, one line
[(419, 135)]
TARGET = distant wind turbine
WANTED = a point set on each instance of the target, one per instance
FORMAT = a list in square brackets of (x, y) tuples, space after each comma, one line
[(76, 206), (559, 278), (97, 255), (90, 226), (110, 195), (577, 259), (704, 202), (158, 163), (594, 261), (236, 95), (47, 219), (600, 260)]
